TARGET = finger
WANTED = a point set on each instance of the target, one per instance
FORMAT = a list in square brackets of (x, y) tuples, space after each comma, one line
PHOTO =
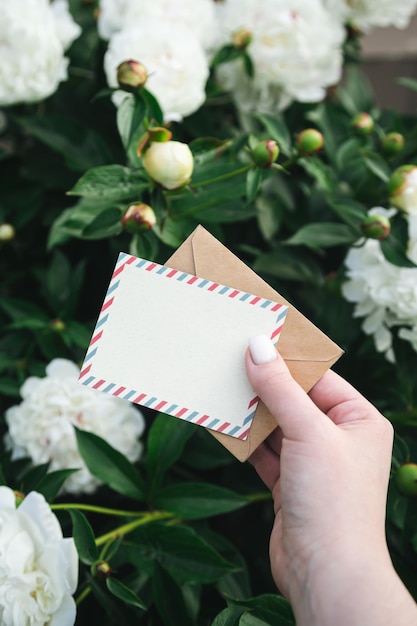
[(340, 401), (267, 464), (296, 414)]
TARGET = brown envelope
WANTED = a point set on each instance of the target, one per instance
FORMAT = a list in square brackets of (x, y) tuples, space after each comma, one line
[(306, 350)]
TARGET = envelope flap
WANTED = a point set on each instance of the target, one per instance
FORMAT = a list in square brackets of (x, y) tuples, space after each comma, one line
[(300, 339)]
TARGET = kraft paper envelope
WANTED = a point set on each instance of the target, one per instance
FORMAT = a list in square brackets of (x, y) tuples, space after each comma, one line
[(308, 352)]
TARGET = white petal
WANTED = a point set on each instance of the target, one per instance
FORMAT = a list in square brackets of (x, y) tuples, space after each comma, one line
[(66, 614)]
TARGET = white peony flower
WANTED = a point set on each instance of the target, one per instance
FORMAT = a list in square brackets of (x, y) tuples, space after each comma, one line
[(402, 187), (385, 295), (197, 15), (368, 14), (33, 35), (41, 427), (296, 51), (174, 59), (169, 163), (38, 567)]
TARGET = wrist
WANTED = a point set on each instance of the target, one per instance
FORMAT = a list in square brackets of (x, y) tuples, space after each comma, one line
[(355, 587)]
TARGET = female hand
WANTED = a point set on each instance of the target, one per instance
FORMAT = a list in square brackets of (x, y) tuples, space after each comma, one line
[(327, 466)]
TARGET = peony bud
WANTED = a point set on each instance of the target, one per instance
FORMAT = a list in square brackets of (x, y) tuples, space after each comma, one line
[(7, 232), (242, 38), (309, 141), (138, 217), (131, 75), (406, 479), (402, 188), (58, 326), (159, 134), (19, 497), (265, 153), (362, 123), (169, 163), (101, 569), (392, 143), (376, 227)]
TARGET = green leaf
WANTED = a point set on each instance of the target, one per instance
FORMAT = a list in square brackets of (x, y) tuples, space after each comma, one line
[(9, 387), (22, 309), (50, 485), (81, 146), (248, 619), (153, 106), (168, 599), (229, 616), (394, 247), (166, 440), (287, 264), (271, 608), (123, 592), (78, 334), (109, 465), (350, 211), (130, 116), (355, 93), (321, 173), (172, 232), (144, 245), (226, 54), (277, 129), (183, 553), (83, 537), (198, 500), (411, 83), (324, 235), (376, 164), (106, 224), (254, 178), (112, 183), (32, 477)]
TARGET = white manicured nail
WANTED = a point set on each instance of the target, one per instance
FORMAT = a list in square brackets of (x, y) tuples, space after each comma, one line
[(262, 349)]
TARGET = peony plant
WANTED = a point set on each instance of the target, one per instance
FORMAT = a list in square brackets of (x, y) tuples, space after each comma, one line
[(125, 124)]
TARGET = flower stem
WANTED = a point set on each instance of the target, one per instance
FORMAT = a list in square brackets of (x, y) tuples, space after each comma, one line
[(129, 527), (98, 509), (83, 595), (218, 179), (259, 497)]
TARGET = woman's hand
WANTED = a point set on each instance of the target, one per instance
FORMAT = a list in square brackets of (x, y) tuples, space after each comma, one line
[(327, 466)]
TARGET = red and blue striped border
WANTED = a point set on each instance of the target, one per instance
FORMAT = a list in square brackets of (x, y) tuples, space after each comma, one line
[(133, 395)]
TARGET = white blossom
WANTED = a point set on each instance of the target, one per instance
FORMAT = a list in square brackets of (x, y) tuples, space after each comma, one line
[(384, 294), (169, 163), (34, 35), (41, 427), (38, 567), (296, 51), (197, 15), (174, 59), (368, 14)]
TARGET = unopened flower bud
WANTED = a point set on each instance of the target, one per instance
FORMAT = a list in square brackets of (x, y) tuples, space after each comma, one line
[(20, 496), (159, 134), (376, 227), (406, 479), (101, 569), (169, 163), (362, 123), (7, 232), (392, 143), (242, 38), (138, 218), (402, 188), (58, 326), (131, 75), (265, 153), (309, 141)]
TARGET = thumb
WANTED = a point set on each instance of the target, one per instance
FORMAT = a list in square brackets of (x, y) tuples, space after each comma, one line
[(296, 414)]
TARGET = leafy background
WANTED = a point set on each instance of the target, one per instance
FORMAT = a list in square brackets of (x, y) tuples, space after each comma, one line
[(182, 536)]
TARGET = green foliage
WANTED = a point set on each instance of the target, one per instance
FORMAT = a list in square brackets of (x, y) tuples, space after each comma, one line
[(182, 535)]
